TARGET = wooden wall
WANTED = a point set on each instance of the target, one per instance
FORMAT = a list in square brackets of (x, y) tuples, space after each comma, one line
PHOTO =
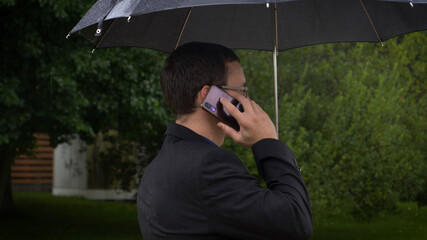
[(36, 169)]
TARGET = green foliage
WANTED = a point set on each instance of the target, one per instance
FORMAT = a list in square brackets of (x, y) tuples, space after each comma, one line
[(56, 86), (354, 114), (119, 162)]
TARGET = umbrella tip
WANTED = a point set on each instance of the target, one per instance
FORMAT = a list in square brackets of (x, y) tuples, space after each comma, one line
[(410, 3), (93, 50), (129, 18), (67, 36), (267, 5), (98, 32)]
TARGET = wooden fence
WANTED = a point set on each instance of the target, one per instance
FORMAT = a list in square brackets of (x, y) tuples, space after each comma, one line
[(36, 169)]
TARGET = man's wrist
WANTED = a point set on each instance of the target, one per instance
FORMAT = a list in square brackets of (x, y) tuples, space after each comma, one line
[(270, 147)]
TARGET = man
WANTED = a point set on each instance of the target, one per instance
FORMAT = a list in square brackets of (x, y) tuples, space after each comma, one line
[(194, 189)]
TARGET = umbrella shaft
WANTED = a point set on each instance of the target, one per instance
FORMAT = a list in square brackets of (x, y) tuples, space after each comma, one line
[(276, 102)]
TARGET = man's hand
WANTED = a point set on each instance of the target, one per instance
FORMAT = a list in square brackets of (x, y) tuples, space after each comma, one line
[(255, 124)]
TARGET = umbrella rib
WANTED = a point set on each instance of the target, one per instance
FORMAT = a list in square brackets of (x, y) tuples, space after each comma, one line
[(103, 35), (183, 27), (372, 23)]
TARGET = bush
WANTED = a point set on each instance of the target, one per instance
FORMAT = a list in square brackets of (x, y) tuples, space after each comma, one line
[(354, 114)]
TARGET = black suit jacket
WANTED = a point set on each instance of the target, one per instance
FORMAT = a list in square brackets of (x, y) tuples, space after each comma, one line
[(194, 189)]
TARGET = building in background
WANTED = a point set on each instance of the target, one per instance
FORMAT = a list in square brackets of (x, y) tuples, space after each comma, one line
[(71, 169)]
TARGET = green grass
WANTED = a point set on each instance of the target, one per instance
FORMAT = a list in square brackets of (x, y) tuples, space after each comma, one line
[(43, 216), (409, 223)]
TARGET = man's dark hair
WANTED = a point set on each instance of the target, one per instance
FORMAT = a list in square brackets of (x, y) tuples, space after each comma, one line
[(189, 68)]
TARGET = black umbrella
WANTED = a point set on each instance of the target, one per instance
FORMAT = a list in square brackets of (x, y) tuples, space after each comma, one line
[(248, 24)]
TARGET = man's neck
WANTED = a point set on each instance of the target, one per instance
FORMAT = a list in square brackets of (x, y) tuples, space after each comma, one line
[(203, 124)]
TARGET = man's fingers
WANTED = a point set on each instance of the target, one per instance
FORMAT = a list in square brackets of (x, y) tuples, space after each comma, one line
[(231, 108), (256, 107), (237, 96), (246, 102), (254, 123)]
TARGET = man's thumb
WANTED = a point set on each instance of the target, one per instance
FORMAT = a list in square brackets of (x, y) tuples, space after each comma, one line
[(228, 131)]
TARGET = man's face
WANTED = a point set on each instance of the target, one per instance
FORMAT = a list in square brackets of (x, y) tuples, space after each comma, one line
[(235, 76)]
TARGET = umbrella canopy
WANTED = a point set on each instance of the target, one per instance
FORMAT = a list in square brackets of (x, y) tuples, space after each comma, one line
[(248, 24)]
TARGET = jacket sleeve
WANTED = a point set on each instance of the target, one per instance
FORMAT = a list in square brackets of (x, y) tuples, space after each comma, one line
[(240, 208)]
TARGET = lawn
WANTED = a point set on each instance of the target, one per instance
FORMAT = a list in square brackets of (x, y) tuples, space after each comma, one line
[(409, 223), (43, 216)]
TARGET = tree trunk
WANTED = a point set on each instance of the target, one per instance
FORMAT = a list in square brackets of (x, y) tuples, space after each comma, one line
[(7, 207)]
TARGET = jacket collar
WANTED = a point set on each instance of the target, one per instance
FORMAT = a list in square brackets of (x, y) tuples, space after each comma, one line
[(185, 133)]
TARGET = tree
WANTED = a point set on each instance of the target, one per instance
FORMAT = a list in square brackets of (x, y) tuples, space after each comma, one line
[(56, 86)]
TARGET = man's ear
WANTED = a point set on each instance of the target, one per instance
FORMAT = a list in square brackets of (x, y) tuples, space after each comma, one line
[(204, 91)]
